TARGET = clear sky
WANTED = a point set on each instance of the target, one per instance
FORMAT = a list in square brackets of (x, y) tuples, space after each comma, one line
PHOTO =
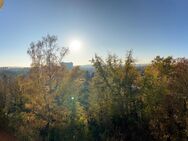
[(149, 27)]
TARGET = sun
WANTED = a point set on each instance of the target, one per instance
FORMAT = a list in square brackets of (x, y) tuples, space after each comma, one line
[(75, 45)]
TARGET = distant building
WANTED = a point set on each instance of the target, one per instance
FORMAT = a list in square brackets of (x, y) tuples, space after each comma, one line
[(69, 65)]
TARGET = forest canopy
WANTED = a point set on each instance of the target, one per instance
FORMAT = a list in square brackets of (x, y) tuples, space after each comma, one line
[(117, 102)]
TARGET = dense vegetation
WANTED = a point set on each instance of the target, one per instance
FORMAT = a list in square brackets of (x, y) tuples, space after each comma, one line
[(118, 103)]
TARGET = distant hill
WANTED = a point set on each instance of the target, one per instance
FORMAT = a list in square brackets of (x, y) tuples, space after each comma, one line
[(14, 71), (140, 67), (87, 68)]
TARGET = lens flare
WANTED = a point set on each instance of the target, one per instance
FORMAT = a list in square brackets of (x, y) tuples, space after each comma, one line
[(1, 3)]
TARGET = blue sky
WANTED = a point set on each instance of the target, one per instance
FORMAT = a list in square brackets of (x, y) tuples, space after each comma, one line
[(148, 27)]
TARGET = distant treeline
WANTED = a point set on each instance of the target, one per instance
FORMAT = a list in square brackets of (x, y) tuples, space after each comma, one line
[(116, 102)]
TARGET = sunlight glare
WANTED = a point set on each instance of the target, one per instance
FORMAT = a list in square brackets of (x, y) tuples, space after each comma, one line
[(75, 45)]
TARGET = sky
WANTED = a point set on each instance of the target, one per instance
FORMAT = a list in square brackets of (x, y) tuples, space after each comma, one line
[(148, 27)]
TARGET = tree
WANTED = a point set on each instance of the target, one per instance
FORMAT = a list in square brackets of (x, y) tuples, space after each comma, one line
[(164, 105), (115, 105), (179, 90), (43, 85), (72, 84)]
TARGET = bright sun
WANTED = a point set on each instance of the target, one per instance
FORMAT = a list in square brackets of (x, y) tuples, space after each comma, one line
[(75, 45)]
